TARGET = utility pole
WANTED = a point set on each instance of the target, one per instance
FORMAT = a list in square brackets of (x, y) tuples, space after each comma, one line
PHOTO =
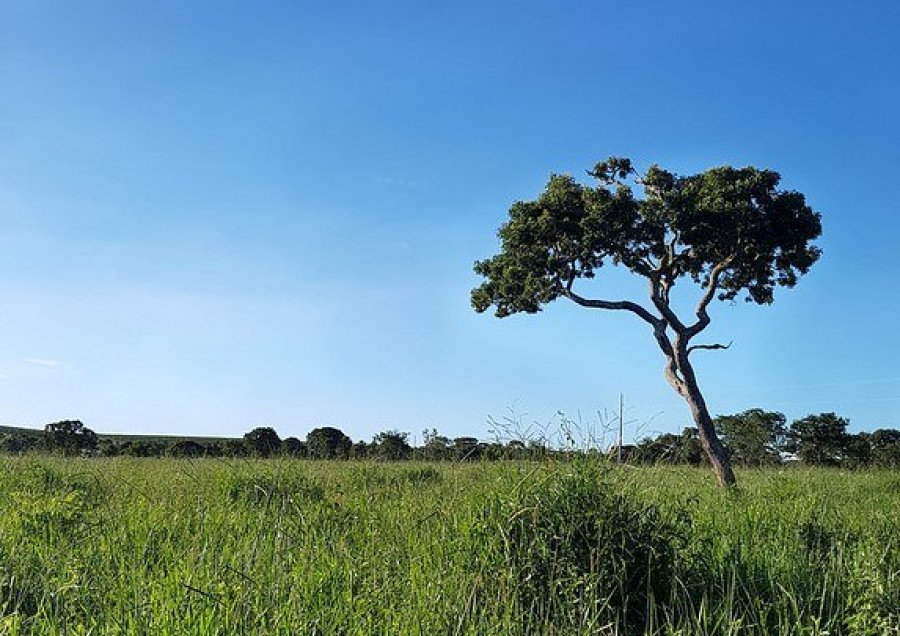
[(621, 422)]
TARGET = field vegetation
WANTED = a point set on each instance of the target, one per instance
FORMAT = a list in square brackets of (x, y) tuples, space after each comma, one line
[(281, 546)]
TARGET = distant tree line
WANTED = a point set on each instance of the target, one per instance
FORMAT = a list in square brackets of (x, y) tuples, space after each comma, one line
[(753, 438), (72, 437), (763, 438)]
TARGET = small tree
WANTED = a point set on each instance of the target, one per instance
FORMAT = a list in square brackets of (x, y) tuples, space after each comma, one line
[(857, 452), (234, 448), (754, 437), (436, 446), (885, 443), (293, 447), (69, 437), (360, 450), (729, 230), (820, 439), (392, 445), (465, 448), (328, 443), (669, 448), (262, 441)]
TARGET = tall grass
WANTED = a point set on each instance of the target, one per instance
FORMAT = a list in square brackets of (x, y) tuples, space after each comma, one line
[(131, 546)]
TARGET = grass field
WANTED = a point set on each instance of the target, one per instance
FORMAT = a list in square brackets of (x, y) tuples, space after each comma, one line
[(130, 546)]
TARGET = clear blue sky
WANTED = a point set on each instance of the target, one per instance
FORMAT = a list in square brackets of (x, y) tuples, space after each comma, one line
[(219, 215)]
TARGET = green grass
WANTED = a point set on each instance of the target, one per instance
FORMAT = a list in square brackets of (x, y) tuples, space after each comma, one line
[(162, 546)]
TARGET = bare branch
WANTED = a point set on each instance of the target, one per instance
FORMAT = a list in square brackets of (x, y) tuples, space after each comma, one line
[(671, 369), (709, 347), (709, 293), (659, 294), (626, 305)]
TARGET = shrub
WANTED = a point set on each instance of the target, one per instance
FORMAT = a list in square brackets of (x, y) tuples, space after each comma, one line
[(581, 553)]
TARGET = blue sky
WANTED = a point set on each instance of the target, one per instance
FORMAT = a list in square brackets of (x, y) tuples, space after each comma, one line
[(215, 215)]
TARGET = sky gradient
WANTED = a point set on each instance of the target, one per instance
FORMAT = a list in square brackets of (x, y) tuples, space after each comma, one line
[(215, 216)]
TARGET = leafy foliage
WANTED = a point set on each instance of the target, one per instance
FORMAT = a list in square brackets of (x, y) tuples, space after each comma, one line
[(263, 441), (186, 448), (392, 445), (69, 437), (753, 437), (730, 230), (293, 447), (683, 226), (820, 439), (328, 443), (885, 444)]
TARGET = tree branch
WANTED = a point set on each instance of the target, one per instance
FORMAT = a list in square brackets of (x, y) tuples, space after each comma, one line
[(659, 294), (626, 305), (671, 369), (708, 295), (709, 347)]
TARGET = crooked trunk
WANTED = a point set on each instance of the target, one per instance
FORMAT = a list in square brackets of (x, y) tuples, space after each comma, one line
[(715, 450), (712, 445)]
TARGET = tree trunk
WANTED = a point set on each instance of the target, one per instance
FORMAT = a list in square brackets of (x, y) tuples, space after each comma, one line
[(715, 450)]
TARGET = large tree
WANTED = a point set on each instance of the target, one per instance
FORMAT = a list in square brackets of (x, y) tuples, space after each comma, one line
[(754, 437), (820, 439), (70, 437), (262, 441), (392, 445), (328, 443), (729, 230), (885, 444)]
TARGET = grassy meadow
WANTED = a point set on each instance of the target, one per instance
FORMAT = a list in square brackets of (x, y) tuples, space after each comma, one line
[(153, 546)]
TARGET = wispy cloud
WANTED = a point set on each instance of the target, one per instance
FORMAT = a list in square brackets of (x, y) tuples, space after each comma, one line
[(43, 362)]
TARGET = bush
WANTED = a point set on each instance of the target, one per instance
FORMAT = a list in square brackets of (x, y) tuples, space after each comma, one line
[(581, 553)]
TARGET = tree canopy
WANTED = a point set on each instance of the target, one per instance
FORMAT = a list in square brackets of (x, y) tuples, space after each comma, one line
[(820, 439), (328, 442), (69, 436), (731, 230), (262, 441), (753, 437), (392, 445)]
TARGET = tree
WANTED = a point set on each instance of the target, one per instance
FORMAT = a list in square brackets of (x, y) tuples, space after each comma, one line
[(754, 437), (262, 441), (186, 448), (820, 439), (729, 230), (142, 448), (857, 452), (885, 443), (328, 443), (515, 449), (234, 448), (293, 447), (465, 448), (392, 445), (108, 447), (436, 446), (359, 450), (669, 448), (69, 436), (16, 444)]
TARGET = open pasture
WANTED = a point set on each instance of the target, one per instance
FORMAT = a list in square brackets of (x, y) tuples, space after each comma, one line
[(131, 546)]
